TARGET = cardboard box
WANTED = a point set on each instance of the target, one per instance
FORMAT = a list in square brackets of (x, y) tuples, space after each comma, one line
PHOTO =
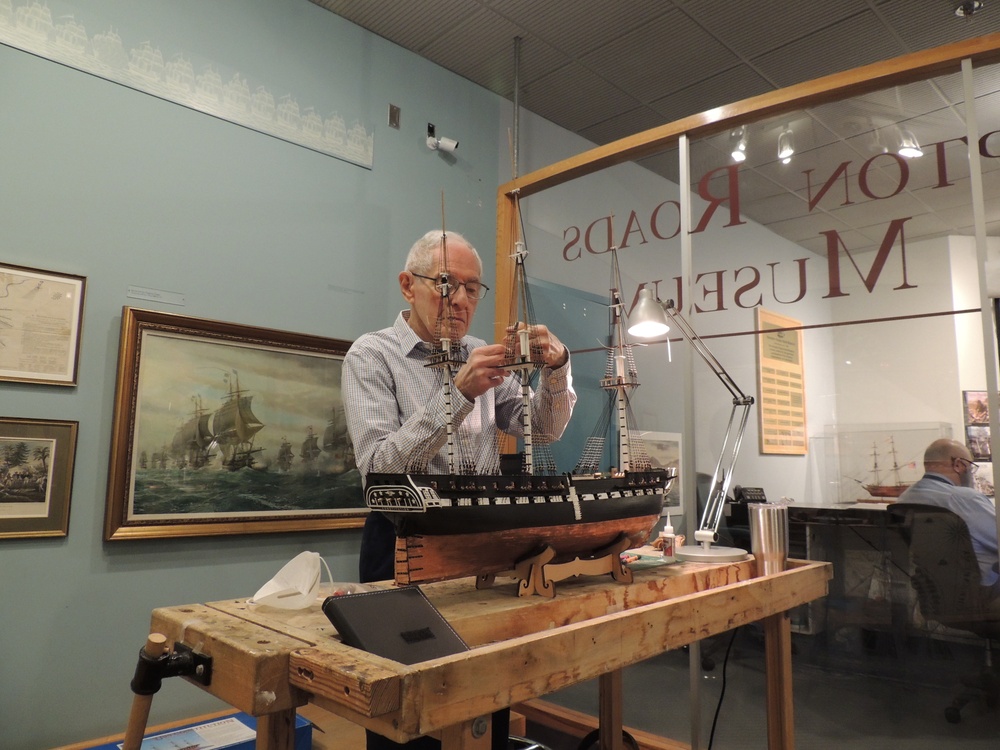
[(236, 732)]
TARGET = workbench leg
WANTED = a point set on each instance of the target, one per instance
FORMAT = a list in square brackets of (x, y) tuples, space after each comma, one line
[(476, 734), (610, 713), (276, 731), (137, 719), (778, 653)]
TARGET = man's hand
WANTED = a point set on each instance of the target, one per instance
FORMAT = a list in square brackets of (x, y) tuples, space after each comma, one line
[(482, 371), (553, 352)]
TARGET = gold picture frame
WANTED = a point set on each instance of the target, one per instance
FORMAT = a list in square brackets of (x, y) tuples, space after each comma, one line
[(41, 324), (221, 429), (36, 476)]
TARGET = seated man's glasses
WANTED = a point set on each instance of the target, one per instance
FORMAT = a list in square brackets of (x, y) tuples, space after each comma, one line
[(473, 289), (973, 466)]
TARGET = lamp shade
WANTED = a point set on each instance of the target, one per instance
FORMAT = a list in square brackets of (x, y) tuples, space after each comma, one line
[(648, 318)]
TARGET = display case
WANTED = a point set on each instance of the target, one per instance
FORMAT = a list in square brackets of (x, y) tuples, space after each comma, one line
[(871, 463)]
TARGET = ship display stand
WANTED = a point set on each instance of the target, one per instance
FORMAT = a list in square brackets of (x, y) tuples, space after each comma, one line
[(538, 574), (535, 526)]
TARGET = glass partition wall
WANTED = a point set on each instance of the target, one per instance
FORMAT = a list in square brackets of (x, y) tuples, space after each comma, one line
[(834, 246)]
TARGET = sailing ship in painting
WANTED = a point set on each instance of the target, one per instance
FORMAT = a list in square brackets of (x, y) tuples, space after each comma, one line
[(225, 459), (228, 433), (879, 488), (226, 437), (512, 516)]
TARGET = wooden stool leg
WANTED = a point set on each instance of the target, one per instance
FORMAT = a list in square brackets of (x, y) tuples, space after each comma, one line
[(610, 711), (276, 731), (138, 717), (778, 672), (469, 735)]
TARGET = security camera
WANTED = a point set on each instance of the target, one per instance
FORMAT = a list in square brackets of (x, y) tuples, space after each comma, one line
[(448, 145), (965, 8)]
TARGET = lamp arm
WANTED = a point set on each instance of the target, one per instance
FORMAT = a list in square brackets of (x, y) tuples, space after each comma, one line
[(708, 527), (699, 346)]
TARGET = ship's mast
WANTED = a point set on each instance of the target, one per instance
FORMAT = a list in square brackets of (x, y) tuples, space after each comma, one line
[(523, 358), (622, 375), (445, 356), (521, 354), (875, 476)]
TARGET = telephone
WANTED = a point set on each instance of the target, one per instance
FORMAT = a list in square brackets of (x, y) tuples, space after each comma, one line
[(749, 495)]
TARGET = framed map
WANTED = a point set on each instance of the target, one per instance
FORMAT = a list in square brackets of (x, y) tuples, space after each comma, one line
[(41, 317)]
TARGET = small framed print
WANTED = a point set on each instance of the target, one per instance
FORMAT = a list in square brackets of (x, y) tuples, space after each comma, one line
[(984, 478), (665, 452), (977, 437), (41, 319), (976, 406), (36, 476)]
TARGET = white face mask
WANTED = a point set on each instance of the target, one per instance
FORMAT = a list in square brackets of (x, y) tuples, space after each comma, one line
[(296, 585)]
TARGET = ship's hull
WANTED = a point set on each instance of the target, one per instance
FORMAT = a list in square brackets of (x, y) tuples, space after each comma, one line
[(886, 490), (453, 526), (440, 505)]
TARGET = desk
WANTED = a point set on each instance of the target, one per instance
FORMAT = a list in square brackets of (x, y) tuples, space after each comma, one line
[(267, 662), (869, 587)]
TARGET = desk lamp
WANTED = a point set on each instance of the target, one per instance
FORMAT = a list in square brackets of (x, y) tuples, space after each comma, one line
[(649, 319)]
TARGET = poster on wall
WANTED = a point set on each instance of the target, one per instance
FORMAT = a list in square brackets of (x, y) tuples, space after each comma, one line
[(221, 428), (781, 390)]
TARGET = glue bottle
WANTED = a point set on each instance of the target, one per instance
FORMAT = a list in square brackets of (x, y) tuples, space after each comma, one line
[(668, 539)]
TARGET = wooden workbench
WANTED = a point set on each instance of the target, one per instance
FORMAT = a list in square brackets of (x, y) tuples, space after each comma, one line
[(267, 662)]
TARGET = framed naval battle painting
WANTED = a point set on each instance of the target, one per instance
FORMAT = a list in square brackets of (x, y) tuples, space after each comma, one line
[(221, 428), (36, 476)]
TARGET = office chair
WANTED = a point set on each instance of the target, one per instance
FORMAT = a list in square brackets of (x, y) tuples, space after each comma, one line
[(945, 578)]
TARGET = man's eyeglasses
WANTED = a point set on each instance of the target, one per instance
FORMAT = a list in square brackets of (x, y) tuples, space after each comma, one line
[(473, 289), (973, 466)]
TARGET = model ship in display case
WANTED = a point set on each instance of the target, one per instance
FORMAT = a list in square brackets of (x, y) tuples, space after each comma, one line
[(879, 488), (462, 523)]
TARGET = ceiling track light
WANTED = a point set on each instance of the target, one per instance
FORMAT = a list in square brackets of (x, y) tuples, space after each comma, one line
[(965, 8), (738, 144), (786, 145), (909, 146)]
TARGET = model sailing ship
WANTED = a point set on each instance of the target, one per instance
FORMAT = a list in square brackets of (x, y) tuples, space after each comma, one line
[(460, 524), (876, 488)]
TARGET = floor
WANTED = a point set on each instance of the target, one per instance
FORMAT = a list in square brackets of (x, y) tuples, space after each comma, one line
[(854, 690)]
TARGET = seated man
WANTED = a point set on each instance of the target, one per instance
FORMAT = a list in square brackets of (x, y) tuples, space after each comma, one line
[(949, 482)]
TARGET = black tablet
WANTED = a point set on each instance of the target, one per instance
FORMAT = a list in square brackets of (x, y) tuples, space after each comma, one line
[(399, 623)]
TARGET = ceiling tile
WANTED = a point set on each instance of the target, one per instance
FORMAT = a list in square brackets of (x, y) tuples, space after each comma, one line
[(575, 28), (575, 97), (673, 52), (754, 28), (857, 40), (607, 70)]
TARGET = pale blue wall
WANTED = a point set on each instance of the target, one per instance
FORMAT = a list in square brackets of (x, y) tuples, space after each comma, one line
[(126, 189)]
